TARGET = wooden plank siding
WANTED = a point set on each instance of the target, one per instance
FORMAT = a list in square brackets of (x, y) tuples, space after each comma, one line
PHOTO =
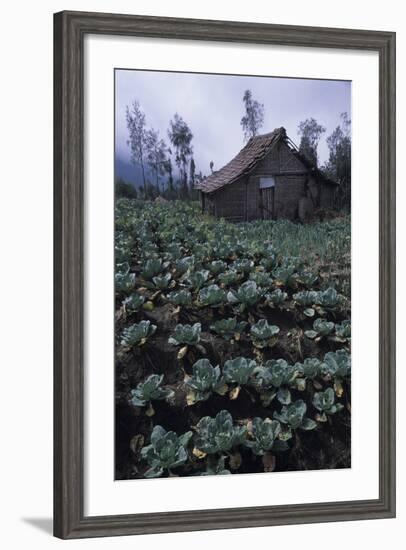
[(230, 201), (288, 191), (241, 200)]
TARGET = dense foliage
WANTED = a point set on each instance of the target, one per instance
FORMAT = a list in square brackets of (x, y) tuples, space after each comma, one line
[(232, 343)]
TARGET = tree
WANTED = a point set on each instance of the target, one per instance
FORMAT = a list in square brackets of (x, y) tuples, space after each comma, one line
[(192, 172), (253, 119), (136, 128), (211, 166), (181, 137), (338, 166), (124, 189), (169, 171), (156, 154), (310, 132), (199, 177)]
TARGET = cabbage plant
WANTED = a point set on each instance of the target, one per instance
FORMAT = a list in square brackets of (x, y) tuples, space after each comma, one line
[(223, 249), (166, 451), (162, 281), (293, 416), (248, 294), (321, 328), (183, 264), (324, 402), (205, 380), (173, 251), (275, 373), (242, 265), (180, 297), (285, 275), (263, 279), (272, 380), (197, 279), (337, 364), (277, 297), (307, 278), (329, 299), (137, 334), (186, 334), (239, 370), (151, 268), (124, 282), (310, 368), (306, 297), (263, 436), (228, 328), (218, 435), (269, 261), (211, 295), (134, 302), (217, 267), (215, 466), (263, 334), (229, 277), (343, 330), (149, 390)]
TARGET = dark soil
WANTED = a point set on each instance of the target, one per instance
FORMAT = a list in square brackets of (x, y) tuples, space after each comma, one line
[(326, 447)]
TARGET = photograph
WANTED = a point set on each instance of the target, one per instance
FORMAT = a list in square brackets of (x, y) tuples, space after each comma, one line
[(232, 255)]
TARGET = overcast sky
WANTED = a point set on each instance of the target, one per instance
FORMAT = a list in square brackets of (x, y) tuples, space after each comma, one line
[(212, 106)]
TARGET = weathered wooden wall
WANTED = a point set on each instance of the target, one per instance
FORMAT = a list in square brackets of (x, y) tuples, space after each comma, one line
[(241, 200), (290, 177), (327, 194), (288, 191), (230, 201)]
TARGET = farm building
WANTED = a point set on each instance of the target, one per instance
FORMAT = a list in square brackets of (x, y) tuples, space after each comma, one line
[(268, 179)]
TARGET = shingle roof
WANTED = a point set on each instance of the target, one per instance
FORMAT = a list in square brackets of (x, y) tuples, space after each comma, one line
[(256, 148)]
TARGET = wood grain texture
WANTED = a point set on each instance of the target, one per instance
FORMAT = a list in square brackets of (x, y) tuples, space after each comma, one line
[(69, 30)]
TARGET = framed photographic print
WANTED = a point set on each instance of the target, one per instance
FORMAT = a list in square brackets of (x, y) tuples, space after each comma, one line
[(224, 274)]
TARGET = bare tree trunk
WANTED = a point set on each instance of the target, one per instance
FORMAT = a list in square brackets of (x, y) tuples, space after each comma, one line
[(157, 180), (143, 171), (143, 178)]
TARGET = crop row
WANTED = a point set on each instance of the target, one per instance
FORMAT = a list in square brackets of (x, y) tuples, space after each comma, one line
[(232, 349), (261, 333), (216, 439), (273, 380)]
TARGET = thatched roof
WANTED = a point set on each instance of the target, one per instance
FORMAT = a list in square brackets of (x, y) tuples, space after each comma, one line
[(255, 150)]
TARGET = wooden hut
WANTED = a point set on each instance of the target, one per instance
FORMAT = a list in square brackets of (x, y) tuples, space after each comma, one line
[(268, 179)]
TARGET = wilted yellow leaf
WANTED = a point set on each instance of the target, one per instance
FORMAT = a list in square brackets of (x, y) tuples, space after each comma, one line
[(182, 352), (136, 443), (150, 410), (191, 398), (235, 392), (198, 453), (338, 388), (301, 384)]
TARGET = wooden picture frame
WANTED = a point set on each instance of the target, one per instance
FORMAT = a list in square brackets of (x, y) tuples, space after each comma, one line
[(70, 29)]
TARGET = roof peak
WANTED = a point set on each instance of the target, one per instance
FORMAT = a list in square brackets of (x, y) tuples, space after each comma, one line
[(277, 131), (252, 152)]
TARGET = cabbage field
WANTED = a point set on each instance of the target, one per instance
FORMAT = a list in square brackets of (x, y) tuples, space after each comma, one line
[(232, 343)]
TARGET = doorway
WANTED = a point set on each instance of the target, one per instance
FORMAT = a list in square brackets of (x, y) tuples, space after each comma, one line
[(267, 197)]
